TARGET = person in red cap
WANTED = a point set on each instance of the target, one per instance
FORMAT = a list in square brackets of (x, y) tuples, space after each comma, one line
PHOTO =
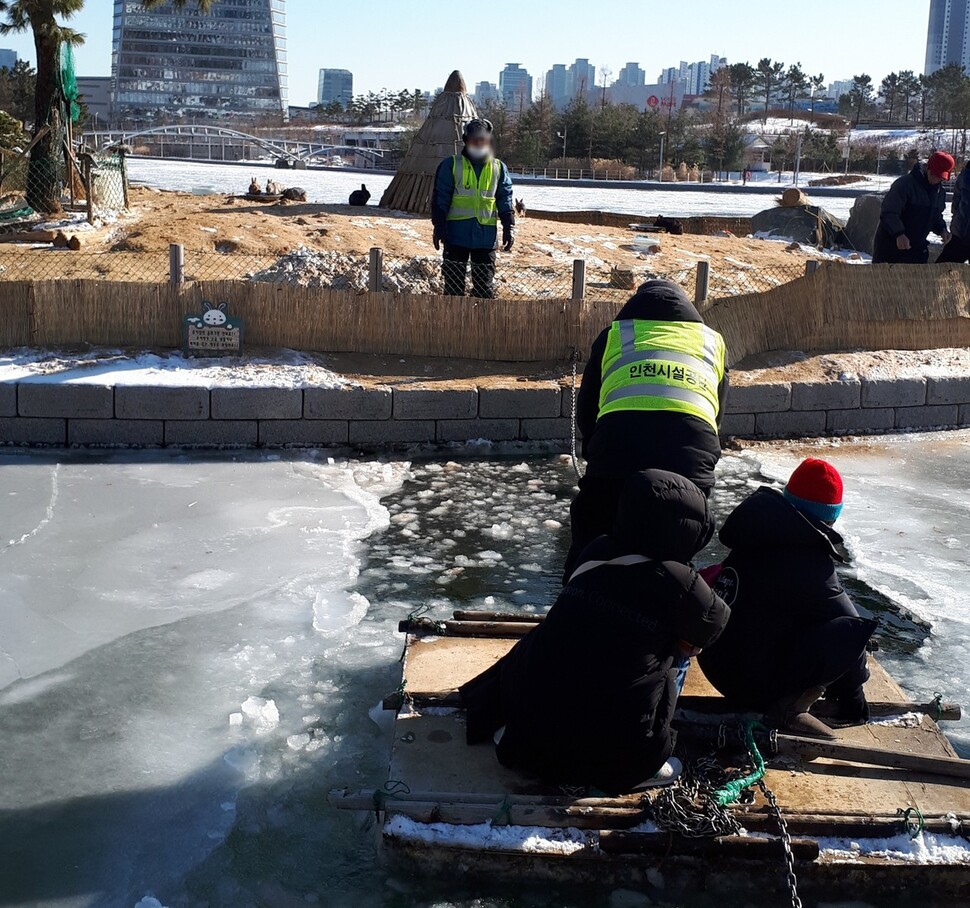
[(912, 210), (794, 635)]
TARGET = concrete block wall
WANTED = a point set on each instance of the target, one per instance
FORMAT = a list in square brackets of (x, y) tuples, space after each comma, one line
[(850, 406), (52, 414), (36, 413)]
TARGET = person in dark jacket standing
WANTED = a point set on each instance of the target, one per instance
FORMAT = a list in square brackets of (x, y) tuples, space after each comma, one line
[(794, 633), (652, 397), (473, 194), (912, 210), (587, 697), (957, 251)]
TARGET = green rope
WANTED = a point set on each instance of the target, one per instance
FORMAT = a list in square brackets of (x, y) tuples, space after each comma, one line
[(504, 813), (913, 820), (938, 703), (732, 791)]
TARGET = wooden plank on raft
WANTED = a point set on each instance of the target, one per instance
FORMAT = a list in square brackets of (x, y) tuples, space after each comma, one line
[(827, 794), (742, 847)]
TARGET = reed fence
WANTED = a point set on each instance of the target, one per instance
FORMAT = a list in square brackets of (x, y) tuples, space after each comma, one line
[(836, 308)]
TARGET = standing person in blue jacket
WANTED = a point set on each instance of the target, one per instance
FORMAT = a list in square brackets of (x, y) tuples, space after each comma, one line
[(472, 195), (957, 251)]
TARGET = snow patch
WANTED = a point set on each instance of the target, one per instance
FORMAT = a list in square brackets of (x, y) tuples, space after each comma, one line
[(486, 837)]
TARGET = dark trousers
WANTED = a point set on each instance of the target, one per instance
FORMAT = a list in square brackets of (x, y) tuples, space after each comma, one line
[(956, 252), (455, 270)]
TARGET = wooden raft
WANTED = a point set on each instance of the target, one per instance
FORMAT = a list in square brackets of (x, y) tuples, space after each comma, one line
[(450, 782)]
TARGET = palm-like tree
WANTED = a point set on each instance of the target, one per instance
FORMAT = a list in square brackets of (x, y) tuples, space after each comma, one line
[(44, 19)]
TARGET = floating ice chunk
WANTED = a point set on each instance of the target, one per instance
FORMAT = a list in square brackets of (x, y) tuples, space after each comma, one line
[(521, 468), (552, 524), (297, 742), (490, 600), (404, 518), (501, 531), (532, 568), (489, 555), (149, 901), (235, 718), (262, 713)]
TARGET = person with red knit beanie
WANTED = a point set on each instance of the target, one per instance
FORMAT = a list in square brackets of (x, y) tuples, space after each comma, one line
[(794, 635)]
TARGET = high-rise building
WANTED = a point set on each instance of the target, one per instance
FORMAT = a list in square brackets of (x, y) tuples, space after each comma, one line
[(95, 92), (335, 85), (8, 58), (632, 75), (948, 35), (487, 93), (581, 79), (696, 75), (557, 85), (842, 87), (230, 61), (515, 86)]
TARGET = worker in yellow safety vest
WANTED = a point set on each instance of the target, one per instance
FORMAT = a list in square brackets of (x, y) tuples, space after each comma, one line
[(473, 194), (652, 396)]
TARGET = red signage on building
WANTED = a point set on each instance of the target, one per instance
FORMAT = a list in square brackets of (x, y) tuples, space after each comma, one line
[(653, 101)]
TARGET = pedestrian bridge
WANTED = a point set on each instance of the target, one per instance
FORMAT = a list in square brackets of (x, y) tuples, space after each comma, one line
[(208, 142)]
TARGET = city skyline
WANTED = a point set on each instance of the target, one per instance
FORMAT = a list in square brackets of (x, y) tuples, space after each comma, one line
[(398, 57)]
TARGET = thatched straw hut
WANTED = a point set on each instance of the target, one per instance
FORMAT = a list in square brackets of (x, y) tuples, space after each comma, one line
[(439, 137)]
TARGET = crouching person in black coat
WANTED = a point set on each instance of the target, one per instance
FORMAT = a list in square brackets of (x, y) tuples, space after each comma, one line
[(587, 697), (794, 634)]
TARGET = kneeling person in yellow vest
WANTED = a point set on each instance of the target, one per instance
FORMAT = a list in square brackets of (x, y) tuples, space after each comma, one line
[(652, 396), (473, 193)]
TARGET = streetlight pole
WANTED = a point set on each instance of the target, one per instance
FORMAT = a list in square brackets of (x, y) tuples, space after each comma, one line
[(562, 135), (663, 137)]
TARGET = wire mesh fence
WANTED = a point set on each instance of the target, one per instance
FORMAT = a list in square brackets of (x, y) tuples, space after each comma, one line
[(422, 275), (37, 189)]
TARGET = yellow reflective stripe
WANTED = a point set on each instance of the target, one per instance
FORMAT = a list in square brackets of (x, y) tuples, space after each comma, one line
[(650, 389), (667, 356)]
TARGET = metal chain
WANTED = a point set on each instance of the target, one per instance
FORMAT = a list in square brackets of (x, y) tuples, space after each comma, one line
[(689, 808), (573, 415), (792, 880)]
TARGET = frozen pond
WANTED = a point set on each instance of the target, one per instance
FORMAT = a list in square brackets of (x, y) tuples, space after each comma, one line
[(334, 187), (151, 607)]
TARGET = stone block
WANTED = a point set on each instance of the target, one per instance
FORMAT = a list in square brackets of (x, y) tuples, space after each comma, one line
[(893, 392), (964, 415), (773, 398), (392, 432), (161, 403), (347, 403), (826, 395), (425, 403), (474, 429), (26, 431), (527, 402), (211, 433), (737, 424), (65, 400), (303, 433), (938, 417), (257, 403), (115, 433), (861, 422), (948, 391), (557, 429), (8, 400), (791, 424)]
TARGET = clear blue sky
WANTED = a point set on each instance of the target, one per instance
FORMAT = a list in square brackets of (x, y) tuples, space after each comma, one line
[(388, 43)]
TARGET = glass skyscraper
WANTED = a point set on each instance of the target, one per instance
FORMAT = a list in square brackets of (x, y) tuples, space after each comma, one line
[(183, 64)]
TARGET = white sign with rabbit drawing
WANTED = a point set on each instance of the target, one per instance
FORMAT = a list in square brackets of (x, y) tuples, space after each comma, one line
[(213, 332)]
